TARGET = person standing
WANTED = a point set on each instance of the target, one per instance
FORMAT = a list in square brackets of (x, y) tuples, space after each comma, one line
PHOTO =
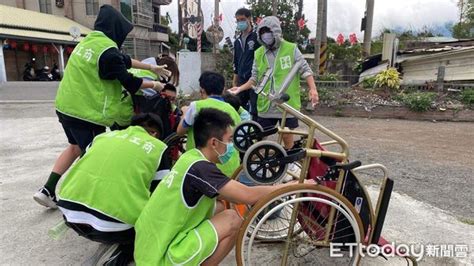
[(280, 55), (244, 49), (88, 97)]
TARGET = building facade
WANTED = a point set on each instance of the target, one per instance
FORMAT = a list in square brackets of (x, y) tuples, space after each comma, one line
[(148, 37)]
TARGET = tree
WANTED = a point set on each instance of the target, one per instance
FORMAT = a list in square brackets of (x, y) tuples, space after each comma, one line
[(288, 14), (465, 27)]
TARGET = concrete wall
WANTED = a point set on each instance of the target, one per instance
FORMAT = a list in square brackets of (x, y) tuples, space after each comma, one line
[(9, 3), (208, 62), (459, 65)]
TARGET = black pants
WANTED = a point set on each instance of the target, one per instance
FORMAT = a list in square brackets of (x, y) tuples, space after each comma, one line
[(126, 239)]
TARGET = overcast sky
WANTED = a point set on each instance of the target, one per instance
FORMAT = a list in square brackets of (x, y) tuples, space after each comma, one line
[(344, 16)]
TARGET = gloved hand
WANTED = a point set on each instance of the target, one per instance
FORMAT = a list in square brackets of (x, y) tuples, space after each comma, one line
[(158, 86), (161, 71)]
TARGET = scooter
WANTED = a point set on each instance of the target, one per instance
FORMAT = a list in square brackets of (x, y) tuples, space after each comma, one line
[(45, 74), (29, 72)]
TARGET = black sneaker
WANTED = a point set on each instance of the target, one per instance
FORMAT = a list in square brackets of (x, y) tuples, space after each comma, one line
[(45, 198)]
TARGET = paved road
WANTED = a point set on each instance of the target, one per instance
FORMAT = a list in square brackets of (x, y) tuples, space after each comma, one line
[(28, 91), (431, 164)]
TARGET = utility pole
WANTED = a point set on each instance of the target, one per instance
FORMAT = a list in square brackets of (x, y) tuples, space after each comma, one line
[(369, 17), (274, 7), (180, 19), (317, 43), (324, 40), (216, 25)]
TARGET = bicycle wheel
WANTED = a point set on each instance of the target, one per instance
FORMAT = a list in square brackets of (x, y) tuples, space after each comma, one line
[(277, 226), (310, 246)]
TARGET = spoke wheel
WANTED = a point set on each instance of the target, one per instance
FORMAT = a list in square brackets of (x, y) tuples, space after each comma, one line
[(310, 245)]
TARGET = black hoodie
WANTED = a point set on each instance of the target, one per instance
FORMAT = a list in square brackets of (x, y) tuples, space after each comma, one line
[(113, 64)]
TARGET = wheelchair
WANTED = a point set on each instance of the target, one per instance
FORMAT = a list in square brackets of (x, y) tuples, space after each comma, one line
[(303, 220)]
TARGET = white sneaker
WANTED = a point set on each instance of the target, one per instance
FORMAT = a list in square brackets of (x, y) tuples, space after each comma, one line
[(108, 255), (44, 197)]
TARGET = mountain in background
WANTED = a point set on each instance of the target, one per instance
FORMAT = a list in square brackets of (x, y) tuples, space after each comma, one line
[(437, 30)]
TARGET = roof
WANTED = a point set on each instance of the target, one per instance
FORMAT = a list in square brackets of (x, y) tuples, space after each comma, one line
[(31, 25)]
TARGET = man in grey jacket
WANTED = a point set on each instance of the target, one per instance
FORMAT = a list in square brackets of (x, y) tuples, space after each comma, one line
[(280, 55)]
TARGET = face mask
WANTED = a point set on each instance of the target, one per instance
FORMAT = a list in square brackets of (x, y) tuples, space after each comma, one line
[(242, 25), (225, 157), (268, 38)]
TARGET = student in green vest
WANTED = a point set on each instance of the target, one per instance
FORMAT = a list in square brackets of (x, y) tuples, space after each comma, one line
[(212, 87), (280, 55), (88, 97), (132, 104), (105, 191), (183, 223)]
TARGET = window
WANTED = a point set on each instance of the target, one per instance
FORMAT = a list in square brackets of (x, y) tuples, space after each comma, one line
[(126, 9), (92, 7), (45, 6)]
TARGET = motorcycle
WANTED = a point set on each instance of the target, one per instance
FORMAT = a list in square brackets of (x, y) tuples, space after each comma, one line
[(55, 72), (45, 74), (29, 74)]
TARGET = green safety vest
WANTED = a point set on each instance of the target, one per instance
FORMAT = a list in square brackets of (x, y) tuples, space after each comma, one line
[(114, 175), (234, 162), (82, 93), (141, 73), (126, 111), (284, 61), (166, 219)]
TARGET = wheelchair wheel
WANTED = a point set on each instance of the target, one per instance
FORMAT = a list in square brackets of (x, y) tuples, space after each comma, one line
[(259, 163), (277, 227), (313, 231), (246, 134), (176, 146)]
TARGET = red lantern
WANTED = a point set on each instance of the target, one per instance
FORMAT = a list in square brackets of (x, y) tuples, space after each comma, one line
[(340, 39), (34, 48), (26, 46), (301, 23), (353, 39), (13, 44), (45, 49)]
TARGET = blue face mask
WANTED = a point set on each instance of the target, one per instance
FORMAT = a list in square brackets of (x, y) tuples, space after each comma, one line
[(242, 25), (225, 157)]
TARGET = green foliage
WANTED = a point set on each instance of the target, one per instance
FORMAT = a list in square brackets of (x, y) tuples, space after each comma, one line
[(287, 13), (329, 77), (224, 64), (465, 27), (467, 97), (418, 101), (345, 51), (389, 78), (369, 83)]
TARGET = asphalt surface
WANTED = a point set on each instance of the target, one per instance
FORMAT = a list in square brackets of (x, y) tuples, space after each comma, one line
[(431, 164)]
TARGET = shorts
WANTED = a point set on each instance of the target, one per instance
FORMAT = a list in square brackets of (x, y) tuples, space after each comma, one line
[(79, 132), (268, 123), (81, 136), (194, 247)]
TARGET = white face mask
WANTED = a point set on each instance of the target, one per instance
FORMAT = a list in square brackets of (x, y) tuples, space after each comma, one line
[(268, 38)]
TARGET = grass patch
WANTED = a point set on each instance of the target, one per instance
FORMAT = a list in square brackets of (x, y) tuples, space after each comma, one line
[(466, 221)]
